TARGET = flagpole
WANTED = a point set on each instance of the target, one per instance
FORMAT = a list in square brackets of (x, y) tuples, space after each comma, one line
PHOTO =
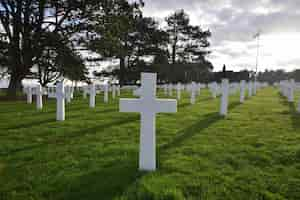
[(257, 37), (257, 53)]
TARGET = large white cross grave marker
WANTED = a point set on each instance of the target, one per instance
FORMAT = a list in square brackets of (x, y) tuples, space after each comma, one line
[(148, 105)]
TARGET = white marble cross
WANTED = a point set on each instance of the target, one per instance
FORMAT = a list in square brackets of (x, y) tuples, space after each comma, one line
[(291, 86), (85, 91), (71, 92), (179, 87), (60, 101), (224, 97), (29, 94), (118, 90), (39, 97), (113, 91), (105, 97), (214, 89), (148, 105), (92, 95), (165, 89), (250, 89), (170, 88), (199, 89), (68, 93), (254, 87), (242, 91), (193, 90)]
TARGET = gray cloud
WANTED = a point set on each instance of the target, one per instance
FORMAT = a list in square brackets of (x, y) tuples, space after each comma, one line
[(235, 20)]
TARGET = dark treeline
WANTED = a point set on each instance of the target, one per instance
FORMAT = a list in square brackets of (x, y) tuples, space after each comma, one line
[(186, 74), (278, 75)]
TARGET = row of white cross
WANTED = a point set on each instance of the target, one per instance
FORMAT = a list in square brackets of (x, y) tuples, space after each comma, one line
[(148, 105), (64, 93), (92, 90), (194, 89), (288, 89)]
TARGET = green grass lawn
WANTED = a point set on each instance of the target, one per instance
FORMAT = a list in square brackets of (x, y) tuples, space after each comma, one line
[(254, 153)]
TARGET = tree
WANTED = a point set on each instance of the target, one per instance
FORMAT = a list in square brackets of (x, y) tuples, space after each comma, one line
[(296, 75), (188, 43), (121, 32), (113, 24), (25, 26), (3, 58), (274, 76), (148, 39), (59, 60)]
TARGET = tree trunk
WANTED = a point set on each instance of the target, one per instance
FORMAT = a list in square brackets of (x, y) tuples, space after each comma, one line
[(17, 72), (174, 54), (122, 71), (15, 85)]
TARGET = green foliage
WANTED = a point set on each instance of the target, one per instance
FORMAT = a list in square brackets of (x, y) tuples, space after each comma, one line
[(251, 154), (3, 54), (188, 43), (121, 32), (35, 24), (113, 22), (59, 60)]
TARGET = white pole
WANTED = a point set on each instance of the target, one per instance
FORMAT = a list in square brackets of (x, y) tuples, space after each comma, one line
[(60, 101), (39, 97)]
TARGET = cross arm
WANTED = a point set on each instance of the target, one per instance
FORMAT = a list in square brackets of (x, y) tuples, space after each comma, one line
[(130, 105)]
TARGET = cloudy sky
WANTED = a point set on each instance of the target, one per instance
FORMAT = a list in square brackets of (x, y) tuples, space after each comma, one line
[(233, 24)]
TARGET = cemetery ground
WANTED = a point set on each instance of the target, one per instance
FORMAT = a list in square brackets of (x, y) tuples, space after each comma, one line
[(253, 153)]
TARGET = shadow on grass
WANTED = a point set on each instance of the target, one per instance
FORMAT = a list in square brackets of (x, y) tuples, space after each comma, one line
[(95, 113), (233, 105), (107, 111), (187, 104), (190, 131), (70, 107), (208, 99), (15, 109), (196, 128), (107, 183), (73, 135), (183, 105), (31, 124), (48, 112), (295, 116)]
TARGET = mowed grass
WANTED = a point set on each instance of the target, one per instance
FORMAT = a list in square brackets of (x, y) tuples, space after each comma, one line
[(254, 153)]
